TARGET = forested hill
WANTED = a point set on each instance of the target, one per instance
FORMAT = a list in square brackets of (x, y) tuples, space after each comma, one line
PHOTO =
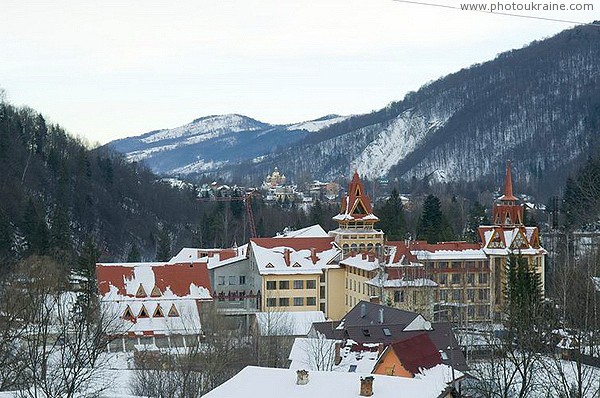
[(538, 106), (55, 194)]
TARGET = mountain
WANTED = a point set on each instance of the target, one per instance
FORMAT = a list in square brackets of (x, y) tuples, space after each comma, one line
[(212, 142), (538, 106), (56, 194)]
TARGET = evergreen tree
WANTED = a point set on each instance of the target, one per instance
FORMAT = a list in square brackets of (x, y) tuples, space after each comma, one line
[(35, 230), (433, 226), (6, 239), (134, 254), (317, 213), (163, 246), (475, 218), (391, 216), (60, 230)]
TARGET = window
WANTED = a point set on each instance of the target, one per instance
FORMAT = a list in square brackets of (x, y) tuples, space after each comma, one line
[(471, 312), (366, 332), (311, 284), (322, 307), (311, 301), (284, 302), (221, 280), (457, 295), (484, 294), (470, 279), (271, 302), (443, 279), (387, 332), (271, 285), (298, 301), (232, 280), (242, 279), (284, 285), (322, 291), (482, 311), (456, 279), (443, 295), (470, 295), (483, 278), (298, 284), (398, 296)]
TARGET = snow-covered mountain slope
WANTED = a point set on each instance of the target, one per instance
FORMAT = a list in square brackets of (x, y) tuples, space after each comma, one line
[(538, 106), (212, 142)]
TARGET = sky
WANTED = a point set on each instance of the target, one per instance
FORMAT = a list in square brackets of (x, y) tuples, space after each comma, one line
[(111, 69)]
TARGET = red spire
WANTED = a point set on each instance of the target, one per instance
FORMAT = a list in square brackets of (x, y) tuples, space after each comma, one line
[(508, 192)]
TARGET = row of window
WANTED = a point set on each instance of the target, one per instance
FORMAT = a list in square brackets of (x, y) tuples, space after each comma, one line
[(457, 294), (457, 279), (351, 284), (458, 264), (358, 271), (297, 284), (232, 280), (296, 301)]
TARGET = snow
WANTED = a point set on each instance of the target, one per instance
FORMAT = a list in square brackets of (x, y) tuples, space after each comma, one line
[(301, 261), (360, 263), (397, 283), (262, 382), (316, 125), (281, 323), (468, 254), (314, 231), (211, 124), (397, 139)]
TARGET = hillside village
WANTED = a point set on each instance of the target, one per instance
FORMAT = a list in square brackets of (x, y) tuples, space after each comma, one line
[(366, 304)]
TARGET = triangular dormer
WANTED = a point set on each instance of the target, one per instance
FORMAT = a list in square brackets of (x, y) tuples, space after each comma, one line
[(496, 241), (155, 292), (519, 241), (173, 311), (158, 312), (143, 312), (128, 314), (141, 292)]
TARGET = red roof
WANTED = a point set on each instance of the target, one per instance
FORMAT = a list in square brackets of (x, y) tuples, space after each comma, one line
[(508, 192), (433, 247), (319, 244), (402, 250), (355, 197), (417, 352), (177, 277)]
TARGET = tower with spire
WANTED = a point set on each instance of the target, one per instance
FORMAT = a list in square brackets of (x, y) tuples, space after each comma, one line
[(509, 235), (356, 231)]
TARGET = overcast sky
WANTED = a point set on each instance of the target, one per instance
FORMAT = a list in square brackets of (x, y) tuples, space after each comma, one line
[(110, 69)]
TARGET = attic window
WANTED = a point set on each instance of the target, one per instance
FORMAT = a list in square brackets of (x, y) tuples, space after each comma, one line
[(366, 332), (269, 266), (352, 368), (173, 311), (155, 292), (158, 312), (128, 314), (387, 332), (143, 312), (296, 265), (141, 292), (359, 209)]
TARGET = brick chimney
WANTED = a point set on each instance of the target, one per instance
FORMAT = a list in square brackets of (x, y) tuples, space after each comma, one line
[(302, 377), (366, 386), (313, 255), (286, 256)]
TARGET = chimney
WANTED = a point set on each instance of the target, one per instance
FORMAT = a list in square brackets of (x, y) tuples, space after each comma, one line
[(363, 310), (286, 256), (364, 255), (371, 257), (302, 377), (338, 354), (380, 315), (366, 386), (313, 255)]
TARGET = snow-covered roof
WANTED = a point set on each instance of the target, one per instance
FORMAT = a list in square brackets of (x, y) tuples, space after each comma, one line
[(293, 255), (154, 298), (314, 231), (262, 382), (213, 258), (282, 323), (508, 240), (466, 254), (361, 261)]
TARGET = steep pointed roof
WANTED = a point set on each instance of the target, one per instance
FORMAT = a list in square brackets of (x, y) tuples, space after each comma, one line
[(356, 205), (508, 192)]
